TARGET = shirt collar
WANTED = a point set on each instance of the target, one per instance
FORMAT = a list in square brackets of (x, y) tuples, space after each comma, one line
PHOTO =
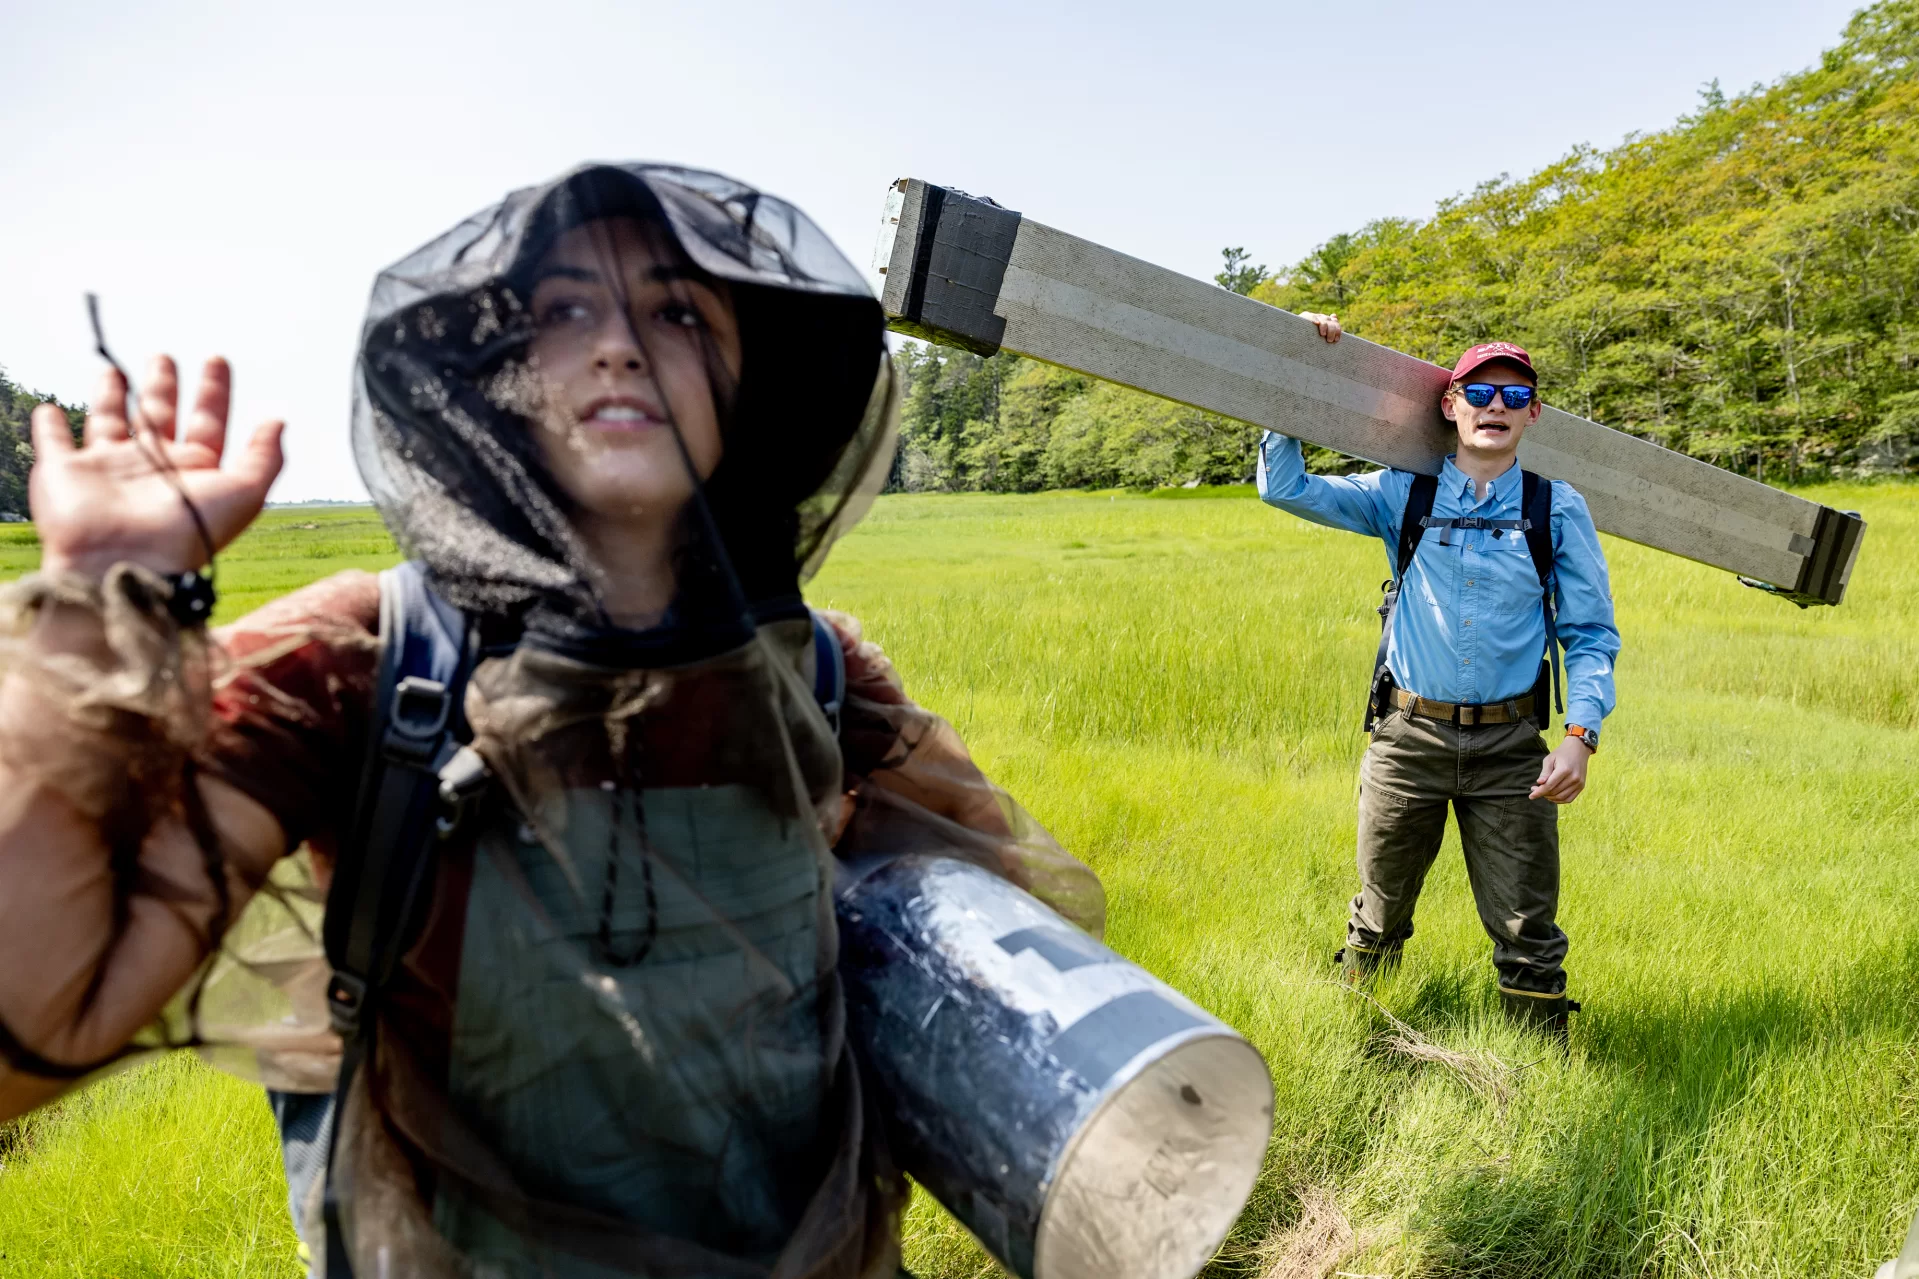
[(1502, 489)]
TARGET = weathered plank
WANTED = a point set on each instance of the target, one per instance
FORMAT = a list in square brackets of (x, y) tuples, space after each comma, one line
[(968, 273)]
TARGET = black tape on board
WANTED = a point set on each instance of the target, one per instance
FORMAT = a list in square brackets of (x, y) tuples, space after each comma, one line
[(1835, 540), (960, 251)]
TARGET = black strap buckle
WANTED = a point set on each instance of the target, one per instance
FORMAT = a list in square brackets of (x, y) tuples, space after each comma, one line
[(416, 720)]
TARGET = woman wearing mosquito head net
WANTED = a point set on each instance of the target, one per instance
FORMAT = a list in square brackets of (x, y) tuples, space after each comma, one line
[(589, 1007)]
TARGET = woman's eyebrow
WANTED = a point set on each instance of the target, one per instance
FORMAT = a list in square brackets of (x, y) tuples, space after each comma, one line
[(586, 275), (660, 273)]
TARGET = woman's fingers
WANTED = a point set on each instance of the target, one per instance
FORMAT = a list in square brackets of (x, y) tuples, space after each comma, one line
[(229, 499), (52, 433), (160, 397), (244, 485), (107, 415), (259, 465), (207, 424)]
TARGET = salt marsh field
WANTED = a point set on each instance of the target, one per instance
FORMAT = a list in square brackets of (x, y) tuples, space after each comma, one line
[(1172, 683)]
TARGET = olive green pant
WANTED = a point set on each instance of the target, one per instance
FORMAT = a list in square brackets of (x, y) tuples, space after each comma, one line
[(1413, 769)]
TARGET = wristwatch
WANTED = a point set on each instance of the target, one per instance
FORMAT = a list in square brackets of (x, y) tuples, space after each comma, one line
[(1589, 737)]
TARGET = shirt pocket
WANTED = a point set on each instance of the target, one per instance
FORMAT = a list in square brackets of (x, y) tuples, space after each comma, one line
[(1508, 585)]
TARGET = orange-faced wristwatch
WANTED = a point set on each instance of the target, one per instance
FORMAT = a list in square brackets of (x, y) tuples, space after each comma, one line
[(1588, 737)]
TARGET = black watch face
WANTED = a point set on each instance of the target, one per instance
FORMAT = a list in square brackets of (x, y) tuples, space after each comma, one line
[(1591, 738)]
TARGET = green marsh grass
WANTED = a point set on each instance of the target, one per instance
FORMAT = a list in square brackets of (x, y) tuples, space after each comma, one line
[(1173, 685), (170, 1169)]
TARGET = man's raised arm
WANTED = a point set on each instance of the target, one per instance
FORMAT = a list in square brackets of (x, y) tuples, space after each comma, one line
[(1351, 502)]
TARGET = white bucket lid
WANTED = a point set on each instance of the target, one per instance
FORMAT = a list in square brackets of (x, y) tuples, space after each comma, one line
[(1153, 1180)]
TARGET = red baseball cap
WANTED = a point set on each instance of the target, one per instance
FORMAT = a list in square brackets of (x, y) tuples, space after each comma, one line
[(1487, 352)]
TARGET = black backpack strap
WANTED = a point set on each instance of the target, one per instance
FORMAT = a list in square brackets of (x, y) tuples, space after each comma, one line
[(426, 651), (421, 676), (1536, 504), (1412, 527)]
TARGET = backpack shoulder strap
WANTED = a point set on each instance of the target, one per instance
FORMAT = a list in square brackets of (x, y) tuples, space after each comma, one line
[(1536, 509), (1412, 524), (829, 669), (1412, 527), (426, 652), (423, 649)]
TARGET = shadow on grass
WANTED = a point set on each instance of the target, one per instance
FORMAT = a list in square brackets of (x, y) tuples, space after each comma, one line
[(19, 1137), (1609, 1184), (1616, 1192)]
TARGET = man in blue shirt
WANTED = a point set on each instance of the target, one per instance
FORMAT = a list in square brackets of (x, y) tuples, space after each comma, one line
[(1462, 687)]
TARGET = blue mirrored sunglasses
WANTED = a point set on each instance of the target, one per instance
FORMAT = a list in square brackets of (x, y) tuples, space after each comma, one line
[(1480, 394)]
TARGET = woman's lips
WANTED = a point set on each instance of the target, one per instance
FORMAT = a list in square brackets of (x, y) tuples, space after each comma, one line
[(621, 416)]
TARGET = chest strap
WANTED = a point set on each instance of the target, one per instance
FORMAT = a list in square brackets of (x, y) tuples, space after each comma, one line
[(1499, 527)]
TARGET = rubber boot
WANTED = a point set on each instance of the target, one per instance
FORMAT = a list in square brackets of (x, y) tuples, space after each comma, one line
[(1539, 1013), (1356, 965)]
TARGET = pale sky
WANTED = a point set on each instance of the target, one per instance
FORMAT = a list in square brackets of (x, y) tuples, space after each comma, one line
[(230, 176)]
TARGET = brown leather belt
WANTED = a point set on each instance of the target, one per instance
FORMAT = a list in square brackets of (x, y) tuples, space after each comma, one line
[(1512, 712)]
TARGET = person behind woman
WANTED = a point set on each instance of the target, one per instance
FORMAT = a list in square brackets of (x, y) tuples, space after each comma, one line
[(614, 421)]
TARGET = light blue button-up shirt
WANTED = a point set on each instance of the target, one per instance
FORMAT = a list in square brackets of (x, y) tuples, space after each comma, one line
[(1470, 627)]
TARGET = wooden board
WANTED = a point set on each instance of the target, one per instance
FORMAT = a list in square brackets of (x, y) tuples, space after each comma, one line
[(969, 273)]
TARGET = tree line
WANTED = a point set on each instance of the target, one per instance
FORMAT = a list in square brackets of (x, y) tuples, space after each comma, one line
[(1742, 286)]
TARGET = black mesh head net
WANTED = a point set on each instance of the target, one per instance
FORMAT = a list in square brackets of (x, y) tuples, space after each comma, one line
[(512, 370)]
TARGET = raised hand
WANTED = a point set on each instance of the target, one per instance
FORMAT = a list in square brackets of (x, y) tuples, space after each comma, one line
[(106, 502)]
